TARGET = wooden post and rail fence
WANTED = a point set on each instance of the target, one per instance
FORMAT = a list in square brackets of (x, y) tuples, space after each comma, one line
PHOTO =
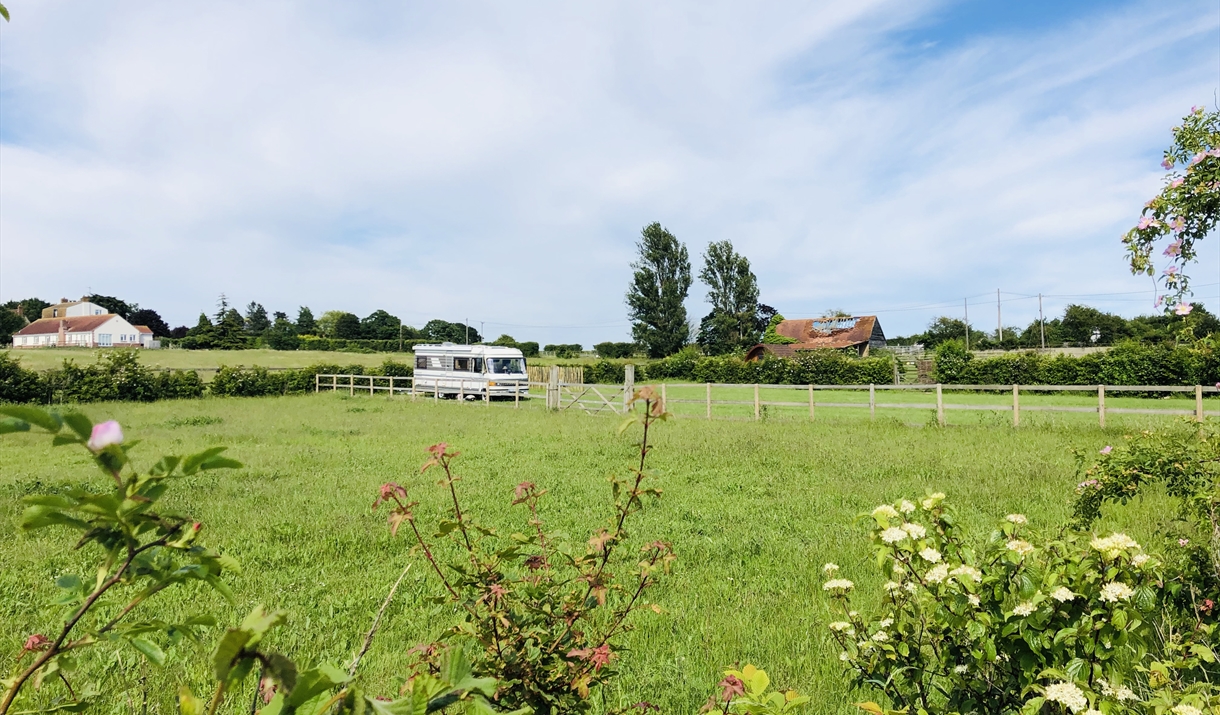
[(559, 395)]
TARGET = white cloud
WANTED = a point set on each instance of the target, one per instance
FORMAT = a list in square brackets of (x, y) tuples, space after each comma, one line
[(496, 163)]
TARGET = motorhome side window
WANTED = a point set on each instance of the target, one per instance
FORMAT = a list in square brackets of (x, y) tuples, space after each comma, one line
[(421, 362), (461, 364), (478, 365)]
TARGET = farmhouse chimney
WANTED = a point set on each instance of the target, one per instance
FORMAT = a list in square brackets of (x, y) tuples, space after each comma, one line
[(62, 339)]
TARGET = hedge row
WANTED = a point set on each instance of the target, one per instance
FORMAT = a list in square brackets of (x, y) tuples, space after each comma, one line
[(119, 376), (1127, 363), (820, 367)]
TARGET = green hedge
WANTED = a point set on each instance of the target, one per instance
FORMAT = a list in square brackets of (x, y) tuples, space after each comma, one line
[(1128, 363), (817, 367), (119, 376), (311, 342)]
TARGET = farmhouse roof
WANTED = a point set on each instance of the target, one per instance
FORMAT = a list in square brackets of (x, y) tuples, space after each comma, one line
[(143, 329), (827, 333), (78, 324)]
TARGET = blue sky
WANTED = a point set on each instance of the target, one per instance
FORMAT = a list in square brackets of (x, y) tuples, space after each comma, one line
[(474, 160)]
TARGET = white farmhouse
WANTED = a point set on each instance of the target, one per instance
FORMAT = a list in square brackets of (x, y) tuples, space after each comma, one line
[(81, 324)]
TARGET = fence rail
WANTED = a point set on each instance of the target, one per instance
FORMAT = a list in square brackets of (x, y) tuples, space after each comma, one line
[(560, 395)]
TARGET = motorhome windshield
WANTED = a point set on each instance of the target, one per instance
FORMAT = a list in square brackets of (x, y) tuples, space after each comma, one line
[(504, 366)]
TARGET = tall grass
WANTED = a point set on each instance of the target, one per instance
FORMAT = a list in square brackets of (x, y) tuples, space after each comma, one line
[(753, 510)]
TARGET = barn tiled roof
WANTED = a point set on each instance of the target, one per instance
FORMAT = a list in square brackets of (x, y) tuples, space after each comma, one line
[(78, 324), (821, 334)]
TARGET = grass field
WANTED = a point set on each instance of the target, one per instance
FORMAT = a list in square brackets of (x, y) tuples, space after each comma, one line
[(45, 359), (753, 510)]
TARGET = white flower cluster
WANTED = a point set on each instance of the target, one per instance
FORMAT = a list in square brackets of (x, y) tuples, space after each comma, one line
[(842, 627), (1016, 519), (1024, 609), (970, 572), (1121, 693), (960, 669), (915, 530), (1020, 546), (973, 599), (1185, 709), (930, 555), (1067, 695), (931, 502), (1139, 560), (838, 584), (830, 569), (906, 507), (1114, 545), (1115, 591), (937, 573), (1062, 594), (887, 511), (893, 586), (893, 535)]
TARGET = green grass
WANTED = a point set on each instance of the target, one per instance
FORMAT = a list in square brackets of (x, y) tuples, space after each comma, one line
[(47, 358), (753, 510)]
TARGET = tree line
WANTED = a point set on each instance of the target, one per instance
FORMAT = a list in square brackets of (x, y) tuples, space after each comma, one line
[(1080, 326)]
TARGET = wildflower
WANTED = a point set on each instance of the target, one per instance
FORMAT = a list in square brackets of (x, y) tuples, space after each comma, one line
[(960, 669), (1015, 519), (1024, 609), (906, 507), (915, 530), (885, 622), (937, 573), (931, 502), (1092, 711), (1068, 695), (1196, 159), (930, 555), (1088, 483), (830, 569), (1106, 449), (1124, 693), (885, 510), (881, 636), (838, 584), (1063, 594), (1115, 591), (1178, 224), (1183, 308), (36, 642), (1185, 709), (1140, 559), (844, 656), (1020, 546), (1207, 605), (1177, 182), (1171, 271), (1173, 248), (911, 586), (1167, 164), (967, 572), (973, 599), (842, 627), (892, 586), (1146, 222), (1184, 542), (732, 685), (893, 535), (104, 435), (1114, 545)]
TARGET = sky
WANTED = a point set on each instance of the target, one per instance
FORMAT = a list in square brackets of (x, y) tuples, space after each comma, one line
[(495, 162)]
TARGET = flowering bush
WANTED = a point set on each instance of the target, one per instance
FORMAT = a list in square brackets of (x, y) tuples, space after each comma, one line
[(544, 614), (1070, 622), (744, 692)]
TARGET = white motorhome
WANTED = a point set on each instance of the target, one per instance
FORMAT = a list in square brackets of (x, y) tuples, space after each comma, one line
[(470, 371)]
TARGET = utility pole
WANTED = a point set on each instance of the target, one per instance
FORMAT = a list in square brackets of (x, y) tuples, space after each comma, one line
[(482, 335), (467, 324), (400, 336), (1041, 322), (999, 320), (966, 309)]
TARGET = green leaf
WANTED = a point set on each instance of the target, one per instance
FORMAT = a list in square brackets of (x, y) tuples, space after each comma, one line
[(283, 670), (1203, 652), (149, 649), (227, 652), (190, 465), (37, 517), (10, 425), (35, 416), (260, 621), (1033, 706), (315, 681), (78, 423)]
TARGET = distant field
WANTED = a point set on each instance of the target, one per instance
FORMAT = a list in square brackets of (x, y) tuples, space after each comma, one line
[(753, 510)]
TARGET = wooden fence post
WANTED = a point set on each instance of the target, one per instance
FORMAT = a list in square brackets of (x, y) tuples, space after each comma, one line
[(1016, 406), (413, 391), (553, 389), (872, 401), (391, 385), (811, 403), (940, 406), (462, 390), (371, 381), (317, 386), (517, 394), (757, 406), (1101, 406), (351, 385), (709, 400), (436, 390), (628, 385), (1198, 403)]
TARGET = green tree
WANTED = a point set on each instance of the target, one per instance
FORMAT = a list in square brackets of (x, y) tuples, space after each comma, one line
[(326, 324), (150, 319), (282, 335), (231, 331), (945, 328), (119, 307), (30, 308), (380, 325), (10, 322), (306, 325), (504, 340), (347, 327), (203, 336), (1185, 211), (1087, 326), (733, 292), (444, 331), (655, 298), (256, 321)]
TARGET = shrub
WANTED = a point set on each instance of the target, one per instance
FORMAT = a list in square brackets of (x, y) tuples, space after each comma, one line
[(564, 351), (546, 615), (770, 337), (616, 350), (1021, 622), (239, 381), (1128, 363), (604, 372), (528, 349), (17, 384), (813, 367)]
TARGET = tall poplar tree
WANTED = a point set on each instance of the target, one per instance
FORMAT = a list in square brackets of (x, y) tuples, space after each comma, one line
[(732, 289), (658, 288)]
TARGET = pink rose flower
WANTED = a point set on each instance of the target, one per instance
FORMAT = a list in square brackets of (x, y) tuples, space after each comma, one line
[(1178, 224), (104, 435), (1168, 163), (1106, 449), (1171, 271), (1174, 248), (1197, 158), (1183, 542), (1177, 182), (1183, 308), (1145, 222)]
